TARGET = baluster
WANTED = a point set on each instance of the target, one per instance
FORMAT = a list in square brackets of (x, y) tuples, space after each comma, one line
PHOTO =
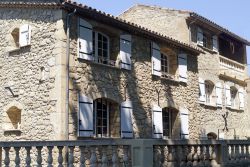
[(60, 156), (104, 157), (17, 159), (93, 157), (237, 154), (213, 156), (165, 156), (125, 156), (190, 157), (157, 156), (7, 158), (71, 156), (242, 155), (171, 156), (232, 157), (183, 156), (207, 156), (247, 155), (28, 159), (50, 158), (114, 156), (195, 157), (201, 158), (82, 158), (39, 156)]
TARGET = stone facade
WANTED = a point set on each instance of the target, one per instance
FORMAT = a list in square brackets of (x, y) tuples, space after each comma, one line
[(33, 79), (176, 23), (101, 81), (31, 76)]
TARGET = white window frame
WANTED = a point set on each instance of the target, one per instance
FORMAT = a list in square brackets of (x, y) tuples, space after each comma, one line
[(95, 122), (166, 58), (95, 45), (164, 110), (233, 94), (209, 88)]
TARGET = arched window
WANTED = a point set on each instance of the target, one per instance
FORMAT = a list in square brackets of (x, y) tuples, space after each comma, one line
[(101, 47), (105, 118), (209, 92), (233, 93), (211, 135)]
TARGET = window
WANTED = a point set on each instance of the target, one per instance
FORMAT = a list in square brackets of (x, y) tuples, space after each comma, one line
[(21, 36), (15, 37), (101, 49), (233, 93), (102, 110), (164, 65), (167, 123), (205, 40), (13, 120), (209, 86)]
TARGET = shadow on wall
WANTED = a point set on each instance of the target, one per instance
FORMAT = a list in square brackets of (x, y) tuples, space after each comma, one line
[(101, 81)]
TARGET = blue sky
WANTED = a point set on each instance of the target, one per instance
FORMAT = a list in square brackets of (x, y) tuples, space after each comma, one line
[(230, 14)]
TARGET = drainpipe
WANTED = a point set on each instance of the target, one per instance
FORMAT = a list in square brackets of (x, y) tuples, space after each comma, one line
[(67, 74)]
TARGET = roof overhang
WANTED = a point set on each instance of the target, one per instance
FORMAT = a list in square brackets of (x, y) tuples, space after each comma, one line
[(132, 28), (198, 18)]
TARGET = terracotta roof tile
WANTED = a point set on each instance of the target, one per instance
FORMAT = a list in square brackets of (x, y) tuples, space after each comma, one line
[(138, 28)]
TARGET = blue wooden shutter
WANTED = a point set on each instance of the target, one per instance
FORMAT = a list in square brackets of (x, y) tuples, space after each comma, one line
[(126, 119), (156, 59), (201, 90), (199, 36), (215, 43), (241, 98), (86, 117), (24, 35), (182, 62), (125, 51), (184, 123), (85, 40), (157, 122), (218, 91)]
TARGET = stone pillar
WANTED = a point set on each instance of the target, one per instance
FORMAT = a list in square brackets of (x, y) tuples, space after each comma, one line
[(142, 153)]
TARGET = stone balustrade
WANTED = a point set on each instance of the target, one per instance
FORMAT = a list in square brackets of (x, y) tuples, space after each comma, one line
[(87, 153), (231, 64), (232, 69), (127, 153)]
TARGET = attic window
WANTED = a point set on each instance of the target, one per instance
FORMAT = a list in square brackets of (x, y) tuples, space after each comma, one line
[(13, 119), (15, 36), (21, 36)]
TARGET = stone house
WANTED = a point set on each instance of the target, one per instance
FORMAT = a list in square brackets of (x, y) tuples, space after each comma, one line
[(222, 67), (68, 71)]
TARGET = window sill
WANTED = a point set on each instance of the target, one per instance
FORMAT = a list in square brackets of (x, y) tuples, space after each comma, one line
[(209, 105), (170, 79), (100, 64), (12, 130), (234, 109), (207, 49)]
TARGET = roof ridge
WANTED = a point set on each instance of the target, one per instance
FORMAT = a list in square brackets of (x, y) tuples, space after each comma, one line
[(163, 8)]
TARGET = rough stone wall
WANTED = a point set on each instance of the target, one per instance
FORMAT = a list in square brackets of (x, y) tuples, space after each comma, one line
[(159, 19), (96, 81), (173, 23), (20, 69)]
